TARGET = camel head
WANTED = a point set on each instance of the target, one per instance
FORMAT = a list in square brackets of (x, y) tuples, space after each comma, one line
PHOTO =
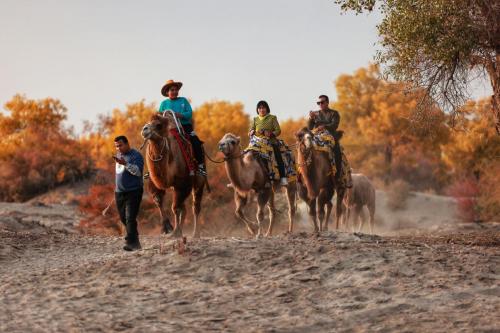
[(229, 144), (305, 138), (157, 127)]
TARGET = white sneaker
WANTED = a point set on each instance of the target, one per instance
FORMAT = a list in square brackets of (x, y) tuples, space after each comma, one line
[(283, 181)]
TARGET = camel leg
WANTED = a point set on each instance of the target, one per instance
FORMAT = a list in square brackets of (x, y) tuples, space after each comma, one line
[(262, 199), (179, 210), (362, 218), (197, 197), (371, 209), (329, 207), (355, 217), (240, 201), (338, 212), (292, 205), (347, 217), (324, 199), (320, 208), (311, 204), (272, 214), (158, 197)]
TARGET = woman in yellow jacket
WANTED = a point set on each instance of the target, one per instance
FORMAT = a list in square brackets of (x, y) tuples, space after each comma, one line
[(266, 125)]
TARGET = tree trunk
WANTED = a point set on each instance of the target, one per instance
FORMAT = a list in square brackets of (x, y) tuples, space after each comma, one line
[(494, 72), (495, 99)]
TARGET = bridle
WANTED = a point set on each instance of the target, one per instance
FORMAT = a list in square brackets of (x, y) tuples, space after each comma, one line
[(307, 154), (163, 147), (229, 156), (164, 143)]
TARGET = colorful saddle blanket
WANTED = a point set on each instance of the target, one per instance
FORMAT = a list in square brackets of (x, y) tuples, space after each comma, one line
[(324, 141), (263, 147)]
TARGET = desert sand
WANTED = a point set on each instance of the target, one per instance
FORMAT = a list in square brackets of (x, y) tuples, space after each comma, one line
[(423, 272)]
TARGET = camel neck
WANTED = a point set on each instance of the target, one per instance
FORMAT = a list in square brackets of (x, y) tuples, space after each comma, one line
[(234, 168)]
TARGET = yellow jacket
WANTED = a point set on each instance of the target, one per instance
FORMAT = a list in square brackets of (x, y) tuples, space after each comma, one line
[(269, 122)]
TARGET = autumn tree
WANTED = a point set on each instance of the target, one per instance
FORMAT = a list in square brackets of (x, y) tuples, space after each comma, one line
[(214, 119), (440, 45), (99, 137), (375, 115), (289, 127), (472, 157), (36, 151)]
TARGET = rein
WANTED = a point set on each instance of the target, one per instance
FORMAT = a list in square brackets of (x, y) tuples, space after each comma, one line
[(308, 157), (226, 158)]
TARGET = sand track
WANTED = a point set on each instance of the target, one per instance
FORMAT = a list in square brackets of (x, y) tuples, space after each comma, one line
[(54, 281)]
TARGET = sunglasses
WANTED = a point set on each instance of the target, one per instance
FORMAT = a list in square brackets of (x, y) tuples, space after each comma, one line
[(320, 102)]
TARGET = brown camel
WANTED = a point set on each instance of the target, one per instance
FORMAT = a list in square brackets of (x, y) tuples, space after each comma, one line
[(361, 194), (247, 173), (168, 168), (316, 184)]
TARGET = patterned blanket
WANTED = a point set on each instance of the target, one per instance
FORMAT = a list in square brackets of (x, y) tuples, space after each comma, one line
[(323, 141), (265, 150)]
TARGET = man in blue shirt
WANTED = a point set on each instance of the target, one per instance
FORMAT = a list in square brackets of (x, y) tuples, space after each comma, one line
[(129, 189), (182, 109)]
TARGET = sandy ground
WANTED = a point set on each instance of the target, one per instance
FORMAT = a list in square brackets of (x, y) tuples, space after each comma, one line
[(447, 279)]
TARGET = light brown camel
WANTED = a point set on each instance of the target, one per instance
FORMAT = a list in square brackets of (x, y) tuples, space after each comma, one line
[(246, 173), (167, 168), (316, 184), (361, 194)]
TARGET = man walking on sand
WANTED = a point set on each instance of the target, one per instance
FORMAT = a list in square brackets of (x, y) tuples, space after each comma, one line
[(129, 189)]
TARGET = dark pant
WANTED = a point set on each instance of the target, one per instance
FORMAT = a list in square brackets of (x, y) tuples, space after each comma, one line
[(128, 204), (196, 143), (279, 159), (337, 153)]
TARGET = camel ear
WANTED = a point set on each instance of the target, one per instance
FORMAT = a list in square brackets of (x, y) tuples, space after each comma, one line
[(158, 117), (299, 134), (162, 119), (238, 139)]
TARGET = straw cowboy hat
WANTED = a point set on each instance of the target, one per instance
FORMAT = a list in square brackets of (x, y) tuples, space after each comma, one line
[(169, 84)]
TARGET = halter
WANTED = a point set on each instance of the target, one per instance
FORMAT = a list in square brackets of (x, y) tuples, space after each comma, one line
[(165, 144)]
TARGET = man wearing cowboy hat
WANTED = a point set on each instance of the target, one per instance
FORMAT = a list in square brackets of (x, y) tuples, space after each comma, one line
[(184, 112)]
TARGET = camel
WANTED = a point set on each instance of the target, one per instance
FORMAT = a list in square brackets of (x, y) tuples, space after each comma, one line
[(316, 184), (246, 173), (168, 168), (361, 194)]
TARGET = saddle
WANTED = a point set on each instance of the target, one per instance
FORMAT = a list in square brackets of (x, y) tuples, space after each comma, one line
[(186, 149), (264, 153)]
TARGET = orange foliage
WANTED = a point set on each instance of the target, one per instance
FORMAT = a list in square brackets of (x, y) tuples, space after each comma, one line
[(375, 115), (289, 127), (129, 122), (214, 119), (36, 152)]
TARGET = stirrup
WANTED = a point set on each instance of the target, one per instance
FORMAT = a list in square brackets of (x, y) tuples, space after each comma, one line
[(201, 170)]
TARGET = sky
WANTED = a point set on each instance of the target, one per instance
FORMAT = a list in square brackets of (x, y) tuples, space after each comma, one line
[(96, 56)]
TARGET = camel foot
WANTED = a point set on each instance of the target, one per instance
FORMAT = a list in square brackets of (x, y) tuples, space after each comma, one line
[(250, 230), (167, 227), (176, 233), (195, 235)]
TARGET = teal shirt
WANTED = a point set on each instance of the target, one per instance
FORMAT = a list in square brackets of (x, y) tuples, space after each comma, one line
[(180, 105)]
